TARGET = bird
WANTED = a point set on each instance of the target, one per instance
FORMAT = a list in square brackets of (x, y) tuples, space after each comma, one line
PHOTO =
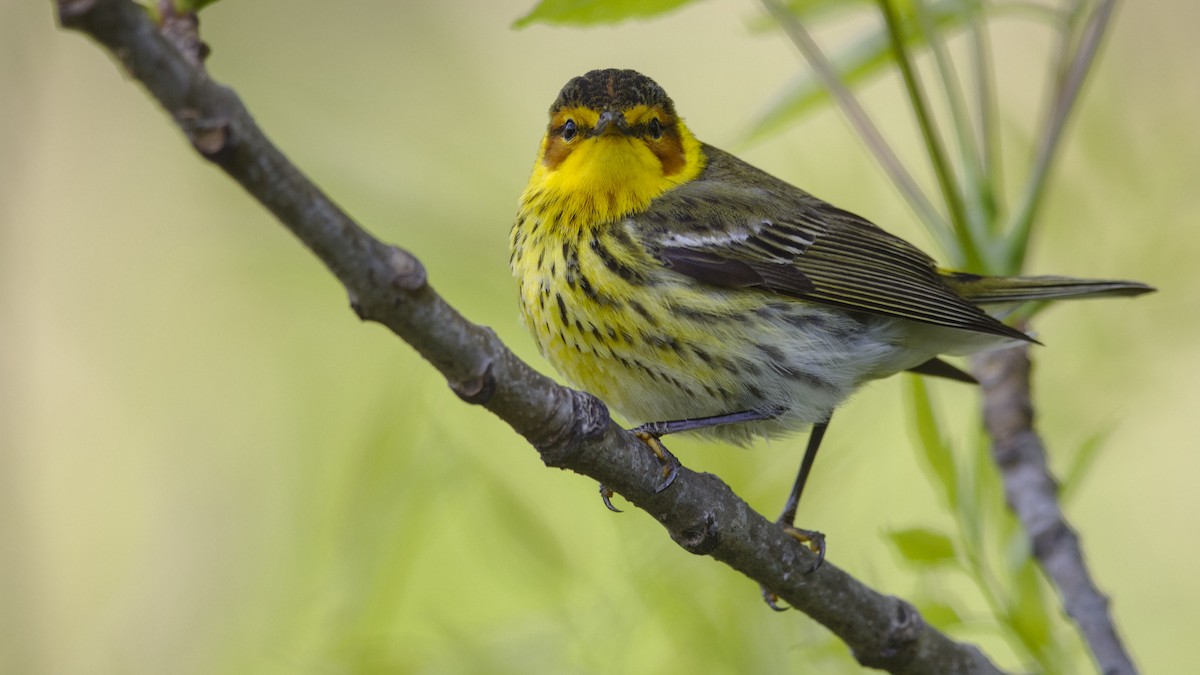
[(692, 292)]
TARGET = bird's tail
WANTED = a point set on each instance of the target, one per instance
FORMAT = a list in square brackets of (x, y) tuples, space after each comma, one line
[(981, 290)]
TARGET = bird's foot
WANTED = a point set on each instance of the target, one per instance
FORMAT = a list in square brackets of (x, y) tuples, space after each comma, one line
[(815, 541), (670, 467)]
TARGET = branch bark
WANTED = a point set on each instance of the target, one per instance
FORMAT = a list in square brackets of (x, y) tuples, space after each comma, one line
[(1032, 494), (569, 429)]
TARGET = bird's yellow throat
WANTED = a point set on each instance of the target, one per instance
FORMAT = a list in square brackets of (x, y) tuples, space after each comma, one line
[(584, 177)]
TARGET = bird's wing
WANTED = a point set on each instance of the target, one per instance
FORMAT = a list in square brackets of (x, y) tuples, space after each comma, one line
[(737, 227)]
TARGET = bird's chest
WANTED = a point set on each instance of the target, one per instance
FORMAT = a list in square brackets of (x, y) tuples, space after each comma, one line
[(580, 294), (615, 323), (654, 345)]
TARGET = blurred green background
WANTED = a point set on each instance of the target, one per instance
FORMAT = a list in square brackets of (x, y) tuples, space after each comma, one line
[(208, 465)]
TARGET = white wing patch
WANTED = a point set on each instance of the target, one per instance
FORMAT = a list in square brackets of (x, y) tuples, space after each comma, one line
[(705, 240)]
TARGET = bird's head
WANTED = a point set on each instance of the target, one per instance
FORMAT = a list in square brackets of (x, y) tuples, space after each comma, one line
[(613, 144)]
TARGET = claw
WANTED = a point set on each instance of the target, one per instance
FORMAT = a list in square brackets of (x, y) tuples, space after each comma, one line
[(815, 541), (772, 600), (670, 465), (670, 471), (606, 494)]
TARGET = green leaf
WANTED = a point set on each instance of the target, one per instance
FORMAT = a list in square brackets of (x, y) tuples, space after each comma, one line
[(923, 546), (854, 66), (1029, 614), (940, 615), (982, 495), (1084, 460), (1015, 545), (596, 12), (938, 456)]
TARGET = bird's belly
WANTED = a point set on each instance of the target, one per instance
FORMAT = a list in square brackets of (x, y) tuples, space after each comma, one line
[(675, 351)]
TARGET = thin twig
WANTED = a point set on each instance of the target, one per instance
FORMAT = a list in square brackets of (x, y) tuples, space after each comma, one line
[(1032, 494), (976, 188), (1060, 112), (965, 253), (569, 429), (988, 129), (861, 121), (964, 503)]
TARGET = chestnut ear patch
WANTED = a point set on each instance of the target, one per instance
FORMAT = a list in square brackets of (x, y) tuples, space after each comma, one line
[(556, 151), (669, 150)]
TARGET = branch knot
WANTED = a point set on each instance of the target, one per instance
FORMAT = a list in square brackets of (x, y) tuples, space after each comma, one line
[(899, 639), (408, 274), (586, 420), (478, 389), (210, 136), (701, 537)]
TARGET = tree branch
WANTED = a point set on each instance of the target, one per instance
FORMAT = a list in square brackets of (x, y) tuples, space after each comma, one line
[(1032, 494), (569, 429)]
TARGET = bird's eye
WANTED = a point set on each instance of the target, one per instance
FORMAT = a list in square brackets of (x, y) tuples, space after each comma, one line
[(569, 130), (656, 128)]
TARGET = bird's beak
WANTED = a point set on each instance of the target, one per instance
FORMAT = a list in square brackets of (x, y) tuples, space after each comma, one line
[(611, 122)]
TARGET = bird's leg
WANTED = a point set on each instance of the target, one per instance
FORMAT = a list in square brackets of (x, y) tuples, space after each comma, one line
[(676, 426), (788, 517), (810, 538), (652, 432)]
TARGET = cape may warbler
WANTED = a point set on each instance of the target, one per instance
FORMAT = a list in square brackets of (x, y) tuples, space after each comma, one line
[(690, 290)]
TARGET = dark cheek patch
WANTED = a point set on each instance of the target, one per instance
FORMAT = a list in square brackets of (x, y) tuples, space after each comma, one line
[(669, 151), (556, 151)]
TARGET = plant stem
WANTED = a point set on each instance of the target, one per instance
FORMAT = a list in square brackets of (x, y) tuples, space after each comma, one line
[(976, 187), (1068, 93), (861, 121), (965, 252), (987, 130)]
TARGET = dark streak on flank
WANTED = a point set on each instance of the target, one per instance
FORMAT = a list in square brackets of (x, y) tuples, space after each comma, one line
[(697, 314), (728, 365), (615, 266), (773, 354), (811, 379), (571, 261), (802, 321), (593, 294), (661, 341), (643, 312), (621, 237), (562, 310)]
